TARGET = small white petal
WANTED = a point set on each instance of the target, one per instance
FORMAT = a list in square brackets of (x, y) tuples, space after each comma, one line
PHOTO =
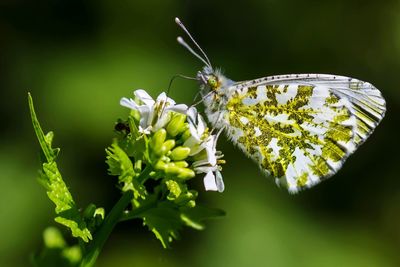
[(181, 108), (205, 169), (201, 127), (194, 145), (210, 148), (144, 97), (209, 182), (161, 122), (129, 103), (192, 114), (163, 98), (194, 132), (219, 181)]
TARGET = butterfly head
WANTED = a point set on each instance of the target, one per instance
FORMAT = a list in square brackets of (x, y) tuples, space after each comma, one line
[(209, 78)]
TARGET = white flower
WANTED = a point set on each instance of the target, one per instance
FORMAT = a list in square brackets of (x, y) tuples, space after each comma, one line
[(198, 128), (156, 114), (207, 162), (153, 114)]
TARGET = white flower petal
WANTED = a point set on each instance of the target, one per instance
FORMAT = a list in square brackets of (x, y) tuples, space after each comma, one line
[(205, 169), (201, 125), (192, 114), (210, 148), (144, 97), (164, 98), (161, 122), (181, 108), (219, 181), (129, 103), (209, 182), (194, 132)]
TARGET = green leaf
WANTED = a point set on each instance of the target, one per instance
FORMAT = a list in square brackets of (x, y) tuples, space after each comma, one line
[(57, 191), (164, 221), (167, 219), (44, 140), (59, 194), (121, 165)]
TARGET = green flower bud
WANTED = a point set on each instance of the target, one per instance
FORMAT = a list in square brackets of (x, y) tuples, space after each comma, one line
[(191, 204), (176, 125), (201, 155), (182, 164), (160, 165), (171, 168), (165, 159), (186, 173), (157, 142), (186, 134), (169, 144), (180, 153)]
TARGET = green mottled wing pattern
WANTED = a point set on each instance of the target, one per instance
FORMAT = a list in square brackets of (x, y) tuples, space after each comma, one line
[(301, 128)]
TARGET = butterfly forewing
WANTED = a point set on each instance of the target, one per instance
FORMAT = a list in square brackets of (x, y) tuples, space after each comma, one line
[(301, 128)]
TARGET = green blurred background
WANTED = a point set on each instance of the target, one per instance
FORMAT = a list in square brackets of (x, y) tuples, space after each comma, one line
[(78, 58)]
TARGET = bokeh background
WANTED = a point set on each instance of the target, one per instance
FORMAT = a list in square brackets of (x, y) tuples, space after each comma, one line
[(78, 58)]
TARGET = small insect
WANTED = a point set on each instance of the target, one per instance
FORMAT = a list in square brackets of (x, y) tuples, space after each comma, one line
[(299, 128)]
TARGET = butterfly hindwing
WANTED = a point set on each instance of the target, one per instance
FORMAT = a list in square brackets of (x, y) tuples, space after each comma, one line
[(300, 128)]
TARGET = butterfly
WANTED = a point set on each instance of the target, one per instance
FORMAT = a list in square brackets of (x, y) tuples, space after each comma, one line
[(299, 128)]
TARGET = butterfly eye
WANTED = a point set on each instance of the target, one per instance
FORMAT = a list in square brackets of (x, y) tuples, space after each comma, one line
[(212, 82)]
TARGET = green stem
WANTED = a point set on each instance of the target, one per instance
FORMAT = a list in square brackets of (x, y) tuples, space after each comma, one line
[(105, 230), (135, 213), (144, 175)]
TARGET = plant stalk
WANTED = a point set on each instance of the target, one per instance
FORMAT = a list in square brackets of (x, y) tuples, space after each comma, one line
[(105, 230)]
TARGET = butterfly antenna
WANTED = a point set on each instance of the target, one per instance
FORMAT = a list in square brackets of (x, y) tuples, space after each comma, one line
[(185, 45), (180, 24)]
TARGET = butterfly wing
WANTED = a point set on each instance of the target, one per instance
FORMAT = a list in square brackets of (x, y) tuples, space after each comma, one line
[(301, 128)]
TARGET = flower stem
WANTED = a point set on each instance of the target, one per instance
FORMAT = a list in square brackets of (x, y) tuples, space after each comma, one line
[(144, 175), (105, 230), (135, 213)]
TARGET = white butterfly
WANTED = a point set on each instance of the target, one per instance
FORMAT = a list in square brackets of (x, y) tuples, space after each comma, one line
[(299, 128)]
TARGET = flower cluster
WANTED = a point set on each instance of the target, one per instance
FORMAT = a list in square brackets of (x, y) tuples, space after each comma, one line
[(180, 143)]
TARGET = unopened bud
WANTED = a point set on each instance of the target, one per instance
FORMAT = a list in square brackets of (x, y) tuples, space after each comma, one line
[(186, 174), (182, 164), (157, 142), (169, 144), (186, 134), (176, 125), (180, 153)]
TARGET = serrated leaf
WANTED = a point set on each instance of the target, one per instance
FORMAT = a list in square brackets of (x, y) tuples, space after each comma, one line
[(71, 221), (44, 140), (57, 191), (164, 221), (59, 194), (121, 165)]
